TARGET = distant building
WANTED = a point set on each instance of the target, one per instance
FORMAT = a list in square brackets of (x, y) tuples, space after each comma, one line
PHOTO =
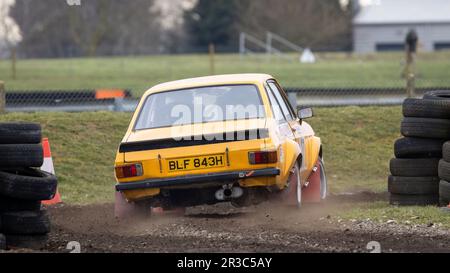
[(382, 25)]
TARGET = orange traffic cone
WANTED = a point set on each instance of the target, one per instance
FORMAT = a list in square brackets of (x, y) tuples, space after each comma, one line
[(48, 167)]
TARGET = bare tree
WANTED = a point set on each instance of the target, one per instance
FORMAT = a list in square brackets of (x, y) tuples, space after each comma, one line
[(51, 28), (9, 33), (311, 23)]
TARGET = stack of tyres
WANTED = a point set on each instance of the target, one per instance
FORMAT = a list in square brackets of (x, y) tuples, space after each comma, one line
[(444, 174), (23, 222), (425, 128)]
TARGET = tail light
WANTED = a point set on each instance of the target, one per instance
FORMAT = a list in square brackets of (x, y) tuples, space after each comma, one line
[(132, 170), (263, 157)]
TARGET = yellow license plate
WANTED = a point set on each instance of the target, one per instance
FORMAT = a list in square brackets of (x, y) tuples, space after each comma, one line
[(196, 163)]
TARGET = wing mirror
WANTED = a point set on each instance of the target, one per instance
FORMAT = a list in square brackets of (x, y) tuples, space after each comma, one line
[(304, 112)]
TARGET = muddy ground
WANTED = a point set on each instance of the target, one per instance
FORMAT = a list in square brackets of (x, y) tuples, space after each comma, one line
[(222, 228)]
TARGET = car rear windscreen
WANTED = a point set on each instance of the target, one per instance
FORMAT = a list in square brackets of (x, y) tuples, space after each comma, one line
[(199, 105)]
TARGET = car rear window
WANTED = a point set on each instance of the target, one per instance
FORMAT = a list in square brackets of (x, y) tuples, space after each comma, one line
[(199, 105)]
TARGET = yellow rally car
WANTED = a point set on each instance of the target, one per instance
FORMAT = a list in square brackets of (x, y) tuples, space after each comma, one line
[(228, 138)]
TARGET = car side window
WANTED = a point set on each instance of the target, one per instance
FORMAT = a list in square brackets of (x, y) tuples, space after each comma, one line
[(287, 111), (286, 100), (276, 108)]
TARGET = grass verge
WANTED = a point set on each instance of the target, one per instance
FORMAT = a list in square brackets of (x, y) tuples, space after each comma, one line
[(139, 73), (382, 212)]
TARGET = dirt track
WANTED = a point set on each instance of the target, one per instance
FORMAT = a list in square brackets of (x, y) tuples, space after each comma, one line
[(225, 229)]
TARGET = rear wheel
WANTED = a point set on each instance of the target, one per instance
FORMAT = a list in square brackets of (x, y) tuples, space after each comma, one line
[(293, 195), (124, 209), (142, 210), (323, 180)]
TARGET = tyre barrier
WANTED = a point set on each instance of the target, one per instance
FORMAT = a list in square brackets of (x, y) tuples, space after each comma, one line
[(24, 223), (444, 174), (420, 170)]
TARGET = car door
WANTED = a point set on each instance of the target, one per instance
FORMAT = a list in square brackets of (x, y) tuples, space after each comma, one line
[(284, 132), (301, 131), (286, 108), (278, 110)]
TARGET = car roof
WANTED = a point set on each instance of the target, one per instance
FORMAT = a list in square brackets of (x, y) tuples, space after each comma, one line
[(210, 80)]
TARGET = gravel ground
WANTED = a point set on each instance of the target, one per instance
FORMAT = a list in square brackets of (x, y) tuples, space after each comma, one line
[(222, 228)]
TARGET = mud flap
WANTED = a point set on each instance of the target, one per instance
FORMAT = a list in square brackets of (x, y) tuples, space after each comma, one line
[(311, 193), (122, 208)]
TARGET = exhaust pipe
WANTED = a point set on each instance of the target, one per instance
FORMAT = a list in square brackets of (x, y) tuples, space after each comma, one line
[(229, 192)]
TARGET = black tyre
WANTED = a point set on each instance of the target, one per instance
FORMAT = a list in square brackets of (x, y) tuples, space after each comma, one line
[(29, 184), (25, 223), (444, 193), (437, 95), (444, 170), (426, 128), (8, 204), (34, 242), (413, 185), (416, 167), (2, 242), (412, 147), (426, 108), (21, 155), (446, 151), (20, 133), (413, 200)]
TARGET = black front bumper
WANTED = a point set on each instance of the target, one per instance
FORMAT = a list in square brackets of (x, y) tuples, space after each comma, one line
[(224, 177)]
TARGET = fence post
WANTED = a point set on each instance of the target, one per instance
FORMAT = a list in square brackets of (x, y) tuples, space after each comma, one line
[(2, 98), (410, 75), (410, 47), (118, 105), (212, 53), (14, 62), (241, 44)]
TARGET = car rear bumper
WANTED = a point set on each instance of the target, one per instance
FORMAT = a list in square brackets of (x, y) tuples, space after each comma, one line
[(224, 177)]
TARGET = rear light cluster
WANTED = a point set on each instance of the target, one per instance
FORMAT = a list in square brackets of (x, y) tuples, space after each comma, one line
[(132, 170), (263, 157)]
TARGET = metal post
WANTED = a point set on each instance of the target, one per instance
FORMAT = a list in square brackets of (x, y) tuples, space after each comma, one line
[(2, 98)]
